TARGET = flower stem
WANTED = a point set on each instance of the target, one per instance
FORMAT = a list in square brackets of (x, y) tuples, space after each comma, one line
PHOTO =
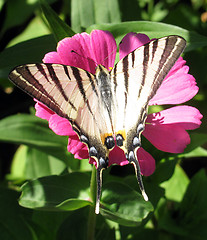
[(91, 224), (92, 215)]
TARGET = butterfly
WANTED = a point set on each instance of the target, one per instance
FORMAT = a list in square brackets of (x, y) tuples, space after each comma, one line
[(108, 108)]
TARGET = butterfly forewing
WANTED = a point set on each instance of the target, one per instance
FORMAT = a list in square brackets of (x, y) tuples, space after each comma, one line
[(70, 92), (136, 79)]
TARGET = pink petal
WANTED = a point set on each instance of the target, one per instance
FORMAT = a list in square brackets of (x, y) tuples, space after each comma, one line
[(85, 51), (180, 63), (77, 148), (167, 137), (186, 117), (76, 51), (146, 162), (52, 57), (92, 161), (104, 48), (117, 156), (60, 126), (131, 42), (178, 87), (42, 111)]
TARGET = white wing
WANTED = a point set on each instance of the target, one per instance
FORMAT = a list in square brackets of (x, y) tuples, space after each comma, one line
[(70, 92), (135, 80)]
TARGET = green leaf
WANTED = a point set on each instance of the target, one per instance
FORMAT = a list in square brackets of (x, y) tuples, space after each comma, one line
[(164, 171), (82, 14), (85, 13), (194, 148), (153, 191), (40, 164), (123, 205), (67, 192), (18, 164), (176, 186), (34, 132), (75, 226), (197, 152), (107, 11), (31, 31), (18, 12), (153, 30), (13, 224), (29, 163), (193, 207), (59, 28), (190, 218), (140, 233), (130, 10), (30, 51), (47, 224)]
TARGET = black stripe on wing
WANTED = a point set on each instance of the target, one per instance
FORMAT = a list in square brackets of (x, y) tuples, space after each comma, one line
[(24, 79), (79, 79), (92, 83), (145, 67), (154, 48), (168, 58), (57, 81), (125, 71)]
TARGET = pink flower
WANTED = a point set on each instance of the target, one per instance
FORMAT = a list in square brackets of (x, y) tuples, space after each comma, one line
[(166, 130)]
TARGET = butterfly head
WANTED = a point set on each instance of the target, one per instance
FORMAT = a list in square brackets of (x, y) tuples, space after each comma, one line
[(101, 71)]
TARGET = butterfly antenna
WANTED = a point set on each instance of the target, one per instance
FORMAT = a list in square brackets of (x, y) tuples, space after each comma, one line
[(87, 58), (108, 57), (135, 162)]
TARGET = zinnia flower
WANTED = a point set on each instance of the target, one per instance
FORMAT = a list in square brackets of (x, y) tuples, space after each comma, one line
[(166, 130)]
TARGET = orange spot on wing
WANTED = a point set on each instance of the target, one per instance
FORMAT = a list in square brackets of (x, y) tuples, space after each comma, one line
[(122, 133), (104, 136)]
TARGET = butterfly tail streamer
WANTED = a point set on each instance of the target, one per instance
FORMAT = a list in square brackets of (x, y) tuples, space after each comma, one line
[(99, 186), (135, 162)]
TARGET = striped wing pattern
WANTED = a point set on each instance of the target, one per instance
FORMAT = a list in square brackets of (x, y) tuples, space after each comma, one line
[(137, 77), (107, 105), (70, 92)]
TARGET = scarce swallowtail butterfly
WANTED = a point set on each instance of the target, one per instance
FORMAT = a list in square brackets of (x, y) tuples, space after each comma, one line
[(107, 108)]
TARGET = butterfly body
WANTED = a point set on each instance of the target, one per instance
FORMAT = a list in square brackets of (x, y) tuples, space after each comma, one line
[(110, 107)]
